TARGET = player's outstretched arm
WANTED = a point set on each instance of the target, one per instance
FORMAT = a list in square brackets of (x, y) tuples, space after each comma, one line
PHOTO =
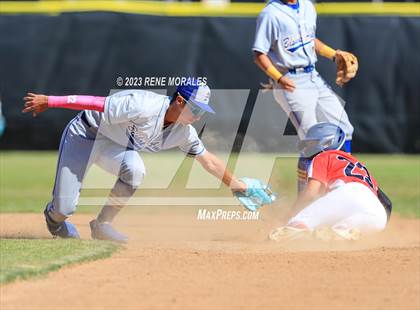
[(38, 103), (265, 64), (212, 164), (313, 190), (251, 193)]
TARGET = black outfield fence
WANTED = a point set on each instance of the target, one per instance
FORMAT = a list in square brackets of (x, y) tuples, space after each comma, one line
[(85, 53)]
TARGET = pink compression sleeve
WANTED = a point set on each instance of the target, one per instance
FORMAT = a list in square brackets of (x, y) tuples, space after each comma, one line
[(77, 102)]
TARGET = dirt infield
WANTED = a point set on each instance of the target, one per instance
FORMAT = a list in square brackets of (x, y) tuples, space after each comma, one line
[(177, 262)]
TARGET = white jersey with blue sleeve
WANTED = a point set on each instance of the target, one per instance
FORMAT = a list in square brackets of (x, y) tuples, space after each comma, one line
[(135, 119), (286, 33)]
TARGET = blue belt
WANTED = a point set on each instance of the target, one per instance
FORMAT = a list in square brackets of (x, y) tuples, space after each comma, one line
[(306, 69)]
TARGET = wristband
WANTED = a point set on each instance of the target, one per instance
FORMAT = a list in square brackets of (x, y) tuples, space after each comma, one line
[(273, 73), (327, 52)]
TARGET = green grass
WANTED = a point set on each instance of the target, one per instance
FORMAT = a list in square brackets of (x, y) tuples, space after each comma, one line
[(399, 177), (26, 178), (23, 258)]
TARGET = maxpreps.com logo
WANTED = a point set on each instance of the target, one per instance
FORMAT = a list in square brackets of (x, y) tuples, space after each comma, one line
[(293, 43)]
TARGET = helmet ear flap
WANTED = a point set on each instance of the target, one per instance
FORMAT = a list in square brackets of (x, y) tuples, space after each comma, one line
[(337, 141), (341, 138)]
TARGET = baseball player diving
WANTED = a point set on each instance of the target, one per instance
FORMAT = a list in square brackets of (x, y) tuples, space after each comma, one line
[(342, 199), (122, 126), (286, 49)]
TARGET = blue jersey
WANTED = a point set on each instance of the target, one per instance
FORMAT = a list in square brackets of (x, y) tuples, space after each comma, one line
[(286, 33)]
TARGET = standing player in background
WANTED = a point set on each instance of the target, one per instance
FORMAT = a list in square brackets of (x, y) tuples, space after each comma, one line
[(121, 126), (341, 199), (286, 49)]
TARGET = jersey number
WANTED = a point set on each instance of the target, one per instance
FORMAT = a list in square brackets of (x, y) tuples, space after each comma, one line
[(349, 171)]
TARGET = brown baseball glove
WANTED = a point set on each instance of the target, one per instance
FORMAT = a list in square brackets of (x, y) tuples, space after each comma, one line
[(347, 66)]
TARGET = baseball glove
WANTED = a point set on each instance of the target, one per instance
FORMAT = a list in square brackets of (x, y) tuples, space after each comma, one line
[(347, 66), (256, 195)]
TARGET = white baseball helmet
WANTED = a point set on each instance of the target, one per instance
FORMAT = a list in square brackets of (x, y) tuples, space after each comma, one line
[(322, 137)]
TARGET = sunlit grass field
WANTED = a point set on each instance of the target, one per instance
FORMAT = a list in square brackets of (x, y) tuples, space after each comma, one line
[(25, 258), (27, 178)]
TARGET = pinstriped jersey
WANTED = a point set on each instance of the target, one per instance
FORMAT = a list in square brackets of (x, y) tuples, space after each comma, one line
[(286, 34)]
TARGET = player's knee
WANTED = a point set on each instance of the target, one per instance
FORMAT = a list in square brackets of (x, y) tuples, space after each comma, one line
[(132, 175), (378, 221)]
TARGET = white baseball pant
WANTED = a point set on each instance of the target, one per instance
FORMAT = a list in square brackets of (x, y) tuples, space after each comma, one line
[(312, 102), (352, 205)]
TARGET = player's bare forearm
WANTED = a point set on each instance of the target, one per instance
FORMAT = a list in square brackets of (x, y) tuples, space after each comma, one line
[(323, 49), (262, 61), (312, 191), (215, 166), (266, 65)]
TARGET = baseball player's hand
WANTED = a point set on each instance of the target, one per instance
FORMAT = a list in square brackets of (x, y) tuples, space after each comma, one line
[(35, 103), (347, 66), (269, 86), (256, 194), (287, 83)]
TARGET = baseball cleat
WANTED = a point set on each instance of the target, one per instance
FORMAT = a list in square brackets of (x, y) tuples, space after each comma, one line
[(104, 231), (348, 234), (289, 233), (63, 230), (337, 234)]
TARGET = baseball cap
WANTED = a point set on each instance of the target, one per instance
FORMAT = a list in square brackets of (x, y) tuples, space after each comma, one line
[(198, 95)]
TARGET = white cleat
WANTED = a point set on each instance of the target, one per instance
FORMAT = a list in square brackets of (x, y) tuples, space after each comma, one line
[(348, 234), (289, 233), (337, 234)]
